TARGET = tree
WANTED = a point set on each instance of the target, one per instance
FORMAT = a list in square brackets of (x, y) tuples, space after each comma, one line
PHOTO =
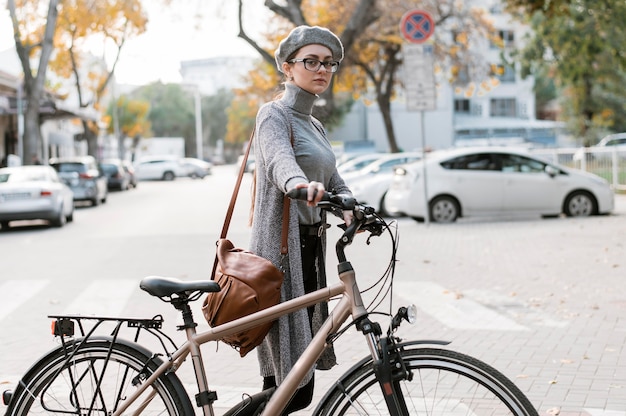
[(580, 42), (172, 111), (81, 20), (33, 44), (56, 39), (128, 118), (215, 115)]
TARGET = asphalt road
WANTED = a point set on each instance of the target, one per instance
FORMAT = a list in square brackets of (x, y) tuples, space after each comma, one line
[(543, 301)]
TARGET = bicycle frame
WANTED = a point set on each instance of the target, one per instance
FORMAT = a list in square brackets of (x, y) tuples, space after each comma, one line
[(350, 303)]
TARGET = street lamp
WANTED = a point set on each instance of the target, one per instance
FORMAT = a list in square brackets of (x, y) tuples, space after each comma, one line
[(198, 106)]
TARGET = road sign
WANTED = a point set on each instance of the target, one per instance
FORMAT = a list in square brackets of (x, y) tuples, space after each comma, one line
[(419, 77), (417, 26)]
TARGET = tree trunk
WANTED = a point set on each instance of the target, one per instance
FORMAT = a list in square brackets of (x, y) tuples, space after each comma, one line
[(34, 86), (384, 105)]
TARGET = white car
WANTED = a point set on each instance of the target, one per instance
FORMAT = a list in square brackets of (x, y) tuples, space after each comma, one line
[(604, 149), (34, 193), (197, 168), (165, 168), (492, 181), (358, 162), (370, 183)]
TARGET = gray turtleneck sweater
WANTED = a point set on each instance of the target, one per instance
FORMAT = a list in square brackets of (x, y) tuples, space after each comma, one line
[(279, 166)]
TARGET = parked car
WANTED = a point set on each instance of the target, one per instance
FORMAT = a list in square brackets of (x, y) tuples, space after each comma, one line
[(130, 171), (604, 148), (84, 177), (358, 162), (117, 176), (165, 168), (250, 163), (492, 181), (370, 183), (34, 193), (196, 168)]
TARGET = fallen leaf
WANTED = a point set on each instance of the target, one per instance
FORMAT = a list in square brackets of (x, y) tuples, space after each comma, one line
[(554, 411)]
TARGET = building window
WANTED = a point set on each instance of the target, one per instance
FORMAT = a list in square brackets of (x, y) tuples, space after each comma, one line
[(462, 106), (503, 107), (505, 39), (505, 73)]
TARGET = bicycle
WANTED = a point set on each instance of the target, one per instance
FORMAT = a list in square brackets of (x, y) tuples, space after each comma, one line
[(93, 374)]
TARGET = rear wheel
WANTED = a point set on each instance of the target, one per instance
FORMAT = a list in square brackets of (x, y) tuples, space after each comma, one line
[(169, 176), (57, 385), (60, 220), (443, 383)]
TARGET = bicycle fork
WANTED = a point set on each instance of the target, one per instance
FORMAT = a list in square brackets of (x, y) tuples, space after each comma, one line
[(388, 366)]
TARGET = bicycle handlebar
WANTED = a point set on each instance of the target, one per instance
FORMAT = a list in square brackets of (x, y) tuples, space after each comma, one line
[(364, 218)]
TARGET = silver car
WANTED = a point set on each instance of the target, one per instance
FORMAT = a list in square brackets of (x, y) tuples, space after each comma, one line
[(34, 193), (84, 177)]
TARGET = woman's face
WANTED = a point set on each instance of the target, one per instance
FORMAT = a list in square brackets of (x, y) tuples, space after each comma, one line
[(315, 82)]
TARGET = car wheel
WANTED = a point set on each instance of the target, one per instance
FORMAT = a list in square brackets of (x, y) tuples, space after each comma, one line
[(95, 202), (382, 211), (60, 220), (168, 176), (580, 204), (70, 217), (444, 209)]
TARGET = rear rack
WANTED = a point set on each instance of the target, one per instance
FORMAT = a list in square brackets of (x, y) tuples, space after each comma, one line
[(64, 326)]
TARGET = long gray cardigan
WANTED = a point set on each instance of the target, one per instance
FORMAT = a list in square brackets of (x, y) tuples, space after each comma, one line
[(277, 171)]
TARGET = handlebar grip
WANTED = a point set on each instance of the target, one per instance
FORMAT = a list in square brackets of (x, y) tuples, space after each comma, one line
[(301, 194), (344, 202)]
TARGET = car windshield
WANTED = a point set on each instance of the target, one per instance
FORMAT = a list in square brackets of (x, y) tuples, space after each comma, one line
[(109, 168), (70, 167)]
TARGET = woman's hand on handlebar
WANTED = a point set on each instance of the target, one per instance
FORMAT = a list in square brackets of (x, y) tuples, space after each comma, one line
[(315, 192)]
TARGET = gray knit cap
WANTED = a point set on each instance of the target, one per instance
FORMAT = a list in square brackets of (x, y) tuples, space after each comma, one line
[(307, 35)]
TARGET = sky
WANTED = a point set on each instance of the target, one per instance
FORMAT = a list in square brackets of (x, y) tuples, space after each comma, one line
[(188, 30)]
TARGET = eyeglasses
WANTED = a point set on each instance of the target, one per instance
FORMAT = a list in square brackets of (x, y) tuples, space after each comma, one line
[(314, 65)]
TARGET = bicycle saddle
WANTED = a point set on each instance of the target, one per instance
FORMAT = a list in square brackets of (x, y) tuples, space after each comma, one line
[(167, 286)]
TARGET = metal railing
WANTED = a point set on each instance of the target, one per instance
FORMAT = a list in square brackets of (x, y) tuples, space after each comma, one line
[(606, 162)]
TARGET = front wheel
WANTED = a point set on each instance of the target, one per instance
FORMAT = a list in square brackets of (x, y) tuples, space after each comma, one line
[(579, 204), (443, 383), (88, 383), (444, 209)]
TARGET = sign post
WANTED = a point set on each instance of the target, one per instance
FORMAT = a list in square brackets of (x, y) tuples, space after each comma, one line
[(416, 27)]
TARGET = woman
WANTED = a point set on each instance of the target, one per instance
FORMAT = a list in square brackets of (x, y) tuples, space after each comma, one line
[(292, 151)]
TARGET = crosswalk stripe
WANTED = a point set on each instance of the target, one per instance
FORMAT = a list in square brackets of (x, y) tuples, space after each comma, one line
[(453, 311), (16, 292), (605, 412), (103, 298)]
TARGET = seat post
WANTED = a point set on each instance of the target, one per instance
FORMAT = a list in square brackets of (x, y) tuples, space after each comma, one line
[(182, 304)]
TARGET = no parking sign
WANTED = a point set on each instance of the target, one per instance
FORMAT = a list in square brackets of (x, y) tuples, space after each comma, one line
[(417, 26)]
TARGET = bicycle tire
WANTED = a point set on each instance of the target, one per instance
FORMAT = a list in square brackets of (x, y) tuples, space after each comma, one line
[(444, 383), (54, 386)]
